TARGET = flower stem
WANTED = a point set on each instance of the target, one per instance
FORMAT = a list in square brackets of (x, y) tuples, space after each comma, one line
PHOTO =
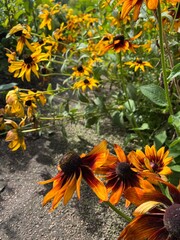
[(163, 63), (128, 219)]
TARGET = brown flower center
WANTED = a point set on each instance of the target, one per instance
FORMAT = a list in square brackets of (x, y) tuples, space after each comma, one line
[(154, 166), (80, 69), (18, 33), (172, 219), (120, 38), (123, 170), (28, 103), (86, 82), (70, 162), (28, 60), (139, 61)]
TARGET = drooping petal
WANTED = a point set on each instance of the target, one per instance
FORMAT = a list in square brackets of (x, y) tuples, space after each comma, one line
[(78, 184), (145, 207), (142, 227), (59, 175), (152, 4), (137, 9), (70, 190), (116, 193), (95, 184)]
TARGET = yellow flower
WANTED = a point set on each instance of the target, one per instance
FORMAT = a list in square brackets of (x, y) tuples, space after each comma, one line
[(2, 125), (23, 32), (24, 67), (81, 70), (151, 160), (13, 105), (86, 82), (47, 14), (138, 64), (15, 135)]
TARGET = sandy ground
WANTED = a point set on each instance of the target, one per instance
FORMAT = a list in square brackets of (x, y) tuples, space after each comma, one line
[(22, 215)]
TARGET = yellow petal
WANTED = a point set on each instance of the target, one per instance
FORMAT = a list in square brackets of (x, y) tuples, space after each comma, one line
[(145, 207), (70, 190)]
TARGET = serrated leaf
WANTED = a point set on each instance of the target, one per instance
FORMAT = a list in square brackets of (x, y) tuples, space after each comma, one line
[(155, 94)]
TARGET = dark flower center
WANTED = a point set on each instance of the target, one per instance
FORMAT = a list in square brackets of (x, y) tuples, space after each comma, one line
[(41, 41), (105, 38), (28, 60), (18, 33), (123, 170), (86, 82), (139, 61), (80, 69), (28, 103), (70, 162), (172, 219), (154, 166), (119, 37)]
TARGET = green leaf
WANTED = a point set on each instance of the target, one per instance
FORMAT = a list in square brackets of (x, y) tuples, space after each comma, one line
[(176, 141), (175, 168), (7, 86), (154, 93), (175, 72), (82, 97), (174, 120), (130, 105), (144, 126), (160, 139), (91, 121)]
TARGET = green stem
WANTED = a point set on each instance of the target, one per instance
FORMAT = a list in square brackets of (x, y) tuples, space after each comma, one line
[(132, 118), (128, 219), (163, 63)]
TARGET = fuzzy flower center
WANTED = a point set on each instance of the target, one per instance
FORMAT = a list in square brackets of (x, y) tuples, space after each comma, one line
[(123, 170), (28, 60), (172, 219), (18, 33), (139, 61), (86, 82), (80, 69), (70, 162), (154, 166)]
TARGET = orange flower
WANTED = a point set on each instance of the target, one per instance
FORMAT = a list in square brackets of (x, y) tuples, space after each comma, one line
[(72, 168), (157, 217), (128, 5), (119, 175), (121, 44), (152, 160)]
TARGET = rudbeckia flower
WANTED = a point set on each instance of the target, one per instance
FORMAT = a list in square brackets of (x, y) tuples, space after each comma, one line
[(121, 44), (15, 135), (2, 125), (86, 82), (72, 169), (128, 5), (23, 32), (24, 67), (157, 217), (47, 15), (119, 175), (138, 64), (81, 70), (151, 160)]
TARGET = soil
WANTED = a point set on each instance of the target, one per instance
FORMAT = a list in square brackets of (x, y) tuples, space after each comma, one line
[(22, 215)]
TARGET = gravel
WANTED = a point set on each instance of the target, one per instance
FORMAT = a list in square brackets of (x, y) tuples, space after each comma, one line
[(22, 215)]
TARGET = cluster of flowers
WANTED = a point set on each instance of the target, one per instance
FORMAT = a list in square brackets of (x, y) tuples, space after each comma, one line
[(139, 177), (21, 105)]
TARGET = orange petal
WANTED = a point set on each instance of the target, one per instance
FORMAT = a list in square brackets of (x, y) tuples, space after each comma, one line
[(152, 4), (120, 153), (145, 207), (78, 185), (95, 184), (59, 175), (116, 195), (70, 190)]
